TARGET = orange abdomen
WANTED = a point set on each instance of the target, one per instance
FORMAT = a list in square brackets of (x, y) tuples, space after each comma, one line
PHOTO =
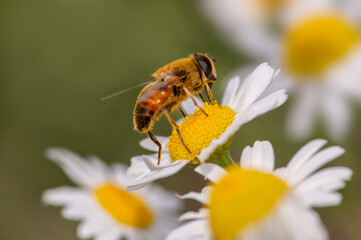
[(149, 104)]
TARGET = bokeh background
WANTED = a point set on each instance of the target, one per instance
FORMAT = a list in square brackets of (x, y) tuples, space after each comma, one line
[(59, 57)]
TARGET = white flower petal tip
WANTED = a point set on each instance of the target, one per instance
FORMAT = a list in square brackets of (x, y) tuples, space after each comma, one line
[(253, 86), (77, 168), (277, 72), (57, 154), (155, 172), (319, 190), (201, 197), (310, 162), (304, 153), (264, 105), (98, 221), (231, 89), (260, 157), (211, 171)]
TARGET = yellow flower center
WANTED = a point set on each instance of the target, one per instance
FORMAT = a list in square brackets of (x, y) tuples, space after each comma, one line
[(125, 207), (268, 7), (241, 198), (315, 44), (198, 130)]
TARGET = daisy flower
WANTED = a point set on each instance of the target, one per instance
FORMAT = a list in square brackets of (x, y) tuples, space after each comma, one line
[(256, 201), (106, 210), (316, 43), (209, 136)]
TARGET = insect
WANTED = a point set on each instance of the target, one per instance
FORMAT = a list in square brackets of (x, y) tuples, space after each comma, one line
[(172, 84)]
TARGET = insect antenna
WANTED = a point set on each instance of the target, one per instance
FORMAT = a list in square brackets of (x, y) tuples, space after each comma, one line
[(122, 91)]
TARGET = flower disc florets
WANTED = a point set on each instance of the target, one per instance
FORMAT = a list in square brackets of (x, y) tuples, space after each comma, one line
[(198, 130)]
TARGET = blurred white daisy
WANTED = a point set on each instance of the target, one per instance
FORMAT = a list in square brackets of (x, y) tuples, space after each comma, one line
[(107, 211), (208, 137), (255, 201), (316, 43)]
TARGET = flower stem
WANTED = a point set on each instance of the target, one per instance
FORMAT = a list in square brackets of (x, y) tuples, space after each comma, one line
[(225, 160)]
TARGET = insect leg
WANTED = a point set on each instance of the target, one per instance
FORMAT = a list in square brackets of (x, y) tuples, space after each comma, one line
[(155, 140), (194, 100), (201, 97), (182, 111), (172, 122), (209, 93)]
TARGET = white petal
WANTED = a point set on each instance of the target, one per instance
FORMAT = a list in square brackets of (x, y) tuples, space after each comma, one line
[(288, 220), (156, 172), (77, 203), (337, 115), (194, 230), (100, 168), (211, 171), (317, 189), (324, 177), (202, 197), (78, 211), (303, 155), (77, 169), (230, 92), (322, 199), (64, 195), (112, 233), (203, 213), (151, 146), (302, 223), (260, 157), (246, 158), (92, 226), (266, 104), (119, 175), (317, 161), (303, 113), (158, 198), (344, 78), (138, 167), (253, 86)]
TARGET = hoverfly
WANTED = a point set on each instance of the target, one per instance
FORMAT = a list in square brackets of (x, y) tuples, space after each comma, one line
[(172, 84)]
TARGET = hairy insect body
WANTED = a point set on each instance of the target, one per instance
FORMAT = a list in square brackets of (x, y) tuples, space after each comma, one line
[(151, 103), (172, 84)]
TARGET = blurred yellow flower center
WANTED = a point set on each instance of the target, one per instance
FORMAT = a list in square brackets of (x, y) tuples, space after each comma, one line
[(268, 7), (315, 44), (126, 207), (198, 130), (240, 198)]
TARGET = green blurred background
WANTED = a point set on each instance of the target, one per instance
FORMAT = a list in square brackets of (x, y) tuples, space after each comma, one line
[(59, 57)]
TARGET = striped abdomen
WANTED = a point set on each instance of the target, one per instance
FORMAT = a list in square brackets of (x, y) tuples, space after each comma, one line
[(149, 104)]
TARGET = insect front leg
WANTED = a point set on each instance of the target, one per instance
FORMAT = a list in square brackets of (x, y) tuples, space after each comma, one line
[(194, 100), (209, 93), (182, 111), (155, 140), (173, 123), (201, 97)]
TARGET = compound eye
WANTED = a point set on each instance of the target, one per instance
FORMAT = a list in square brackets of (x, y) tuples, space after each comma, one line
[(205, 65)]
